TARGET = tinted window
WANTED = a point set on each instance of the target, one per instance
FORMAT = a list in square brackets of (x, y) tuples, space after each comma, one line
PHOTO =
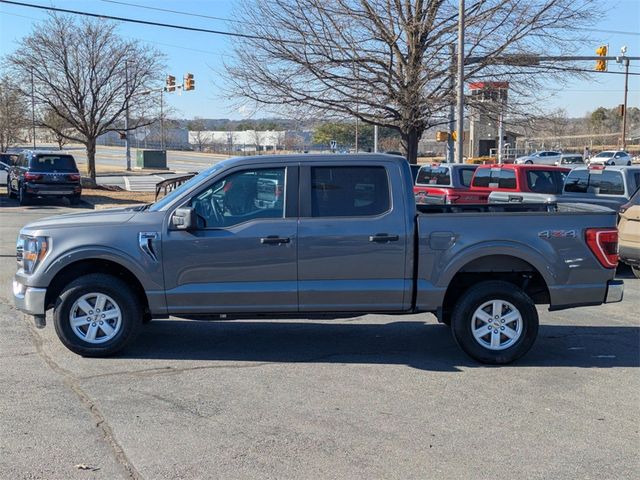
[(466, 174), (607, 182), (541, 181), (240, 197), (482, 177), (577, 181), (506, 179), (50, 163), (349, 191), (434, 176)]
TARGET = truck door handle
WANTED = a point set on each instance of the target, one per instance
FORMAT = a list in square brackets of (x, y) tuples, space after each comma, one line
[(274, 240), (383, 238)]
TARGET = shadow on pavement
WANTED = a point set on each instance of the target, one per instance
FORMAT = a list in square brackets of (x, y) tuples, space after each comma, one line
[(419, 345)]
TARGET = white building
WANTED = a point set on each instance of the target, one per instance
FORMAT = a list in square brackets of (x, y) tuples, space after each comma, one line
[(246, 140)]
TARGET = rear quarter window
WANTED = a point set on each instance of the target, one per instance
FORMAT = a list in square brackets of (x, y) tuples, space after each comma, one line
[(507, 179), (482, 177)]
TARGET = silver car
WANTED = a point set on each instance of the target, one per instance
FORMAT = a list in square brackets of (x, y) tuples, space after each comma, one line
[(611, 157), (542, 158)]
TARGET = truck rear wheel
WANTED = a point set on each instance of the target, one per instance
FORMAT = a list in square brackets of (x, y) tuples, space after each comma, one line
[(97, 315), (495, 322)]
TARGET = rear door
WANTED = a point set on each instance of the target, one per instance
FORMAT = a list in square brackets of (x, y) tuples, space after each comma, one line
[(353, 238)]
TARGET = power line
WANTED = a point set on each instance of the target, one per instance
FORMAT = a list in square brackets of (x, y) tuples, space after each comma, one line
[(154, 24), (158, 9)]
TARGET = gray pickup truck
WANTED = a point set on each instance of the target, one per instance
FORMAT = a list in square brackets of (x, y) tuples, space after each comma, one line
[(314, 236)]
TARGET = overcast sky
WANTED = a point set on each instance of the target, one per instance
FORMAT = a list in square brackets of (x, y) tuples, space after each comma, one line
[(203, 54)]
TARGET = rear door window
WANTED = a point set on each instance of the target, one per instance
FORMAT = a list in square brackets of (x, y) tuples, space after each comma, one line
[(482, 177), (349, 191), (542, 181), (53, 163)]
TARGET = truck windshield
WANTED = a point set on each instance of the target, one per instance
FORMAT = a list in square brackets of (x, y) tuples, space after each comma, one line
[(434, 176), (163, 202)]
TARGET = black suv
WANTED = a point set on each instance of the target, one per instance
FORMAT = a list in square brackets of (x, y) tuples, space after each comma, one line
[(44, 174)]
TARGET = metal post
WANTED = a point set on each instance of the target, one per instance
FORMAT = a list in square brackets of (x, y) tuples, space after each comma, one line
[(624, 112), (33, 110), (460, 106), (500, 135), (162, 119), (375, 139), (452, 107), (357, 130), (126, 115)]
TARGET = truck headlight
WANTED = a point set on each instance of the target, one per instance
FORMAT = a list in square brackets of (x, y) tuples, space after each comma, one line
[(30, 251)]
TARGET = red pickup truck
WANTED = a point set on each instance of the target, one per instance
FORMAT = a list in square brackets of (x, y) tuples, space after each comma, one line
[(444, 183), (515, 178)]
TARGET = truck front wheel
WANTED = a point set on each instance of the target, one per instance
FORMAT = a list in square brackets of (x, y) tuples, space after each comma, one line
[(495, 322), (97, 315)]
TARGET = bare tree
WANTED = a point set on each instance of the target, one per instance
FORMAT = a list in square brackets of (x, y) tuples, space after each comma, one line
[(387, 62), (57, 125), (13, 114), (198, 128), (79, 70)]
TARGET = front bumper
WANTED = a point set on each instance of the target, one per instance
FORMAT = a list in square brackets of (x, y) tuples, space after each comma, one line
[(29, 299), (615, 291)]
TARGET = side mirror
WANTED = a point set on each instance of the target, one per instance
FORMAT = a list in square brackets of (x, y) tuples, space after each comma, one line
[(183, 219)]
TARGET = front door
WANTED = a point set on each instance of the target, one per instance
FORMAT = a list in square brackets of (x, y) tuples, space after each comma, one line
[(352, 239), (241, 257)]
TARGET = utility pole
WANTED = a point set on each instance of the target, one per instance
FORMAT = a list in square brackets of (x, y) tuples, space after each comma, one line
[(33, 111), (500, 135), (452, 107), (162, 119), (375, 139), (624, 111), (126, 115), (460, 106)]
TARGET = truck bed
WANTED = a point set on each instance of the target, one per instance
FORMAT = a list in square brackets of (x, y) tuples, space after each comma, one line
[(553, 208)]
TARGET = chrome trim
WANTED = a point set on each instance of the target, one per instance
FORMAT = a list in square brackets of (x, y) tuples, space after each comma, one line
[(615, 291), (29, 299)]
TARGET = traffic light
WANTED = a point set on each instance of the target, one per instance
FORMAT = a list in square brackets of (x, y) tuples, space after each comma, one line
[(189, 83), (442, 136), (601, 65), (171, 83)]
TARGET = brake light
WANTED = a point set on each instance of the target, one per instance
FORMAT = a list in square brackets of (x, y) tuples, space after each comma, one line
[(603, 242), (596, 167), (30, 177), (74, 177)]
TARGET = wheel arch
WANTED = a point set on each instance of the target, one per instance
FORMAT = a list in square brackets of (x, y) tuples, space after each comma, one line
[(86, 266)]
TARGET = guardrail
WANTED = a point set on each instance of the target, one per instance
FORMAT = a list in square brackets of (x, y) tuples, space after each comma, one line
[(172, 183)]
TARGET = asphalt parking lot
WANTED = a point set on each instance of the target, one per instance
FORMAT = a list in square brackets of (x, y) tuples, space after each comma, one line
[(371, 397)]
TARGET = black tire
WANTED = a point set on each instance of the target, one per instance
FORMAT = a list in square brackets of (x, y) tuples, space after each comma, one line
[(528, 162), (74, 199), (120, 292), (23, 197), (629, 163), (462, 320), (636, 271)]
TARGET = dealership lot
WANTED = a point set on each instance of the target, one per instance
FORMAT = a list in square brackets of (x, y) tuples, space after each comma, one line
[(371, 397)]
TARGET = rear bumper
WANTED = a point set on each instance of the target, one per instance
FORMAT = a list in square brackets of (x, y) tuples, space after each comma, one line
[(615, 291), (53, 189), (29, 299)]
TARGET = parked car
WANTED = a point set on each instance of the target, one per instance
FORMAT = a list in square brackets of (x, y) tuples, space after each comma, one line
[(543, 158), (446, 183), (609, 187), (611, 157), (570, 160), (347, 239), (516, 181), (39, 173), (7, 160), (629, 231)]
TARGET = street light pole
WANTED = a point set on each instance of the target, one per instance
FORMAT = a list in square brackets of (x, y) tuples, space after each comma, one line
[(460, 106), (33, 111), (162, 119)]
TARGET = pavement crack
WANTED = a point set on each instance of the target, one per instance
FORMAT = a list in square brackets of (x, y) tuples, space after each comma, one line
[(100, 421)]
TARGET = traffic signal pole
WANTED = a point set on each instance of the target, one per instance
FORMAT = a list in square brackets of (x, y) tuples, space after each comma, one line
[(460, 102), (624, 111)]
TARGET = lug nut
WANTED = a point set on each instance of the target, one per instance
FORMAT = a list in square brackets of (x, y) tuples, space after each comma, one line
[(103, 315), (93, 324), (495, 331), (90, 312), (502, 320), (501, 328), (101, 322)]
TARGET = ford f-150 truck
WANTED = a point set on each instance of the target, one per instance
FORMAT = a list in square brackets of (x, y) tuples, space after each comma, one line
[(315, 236)]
